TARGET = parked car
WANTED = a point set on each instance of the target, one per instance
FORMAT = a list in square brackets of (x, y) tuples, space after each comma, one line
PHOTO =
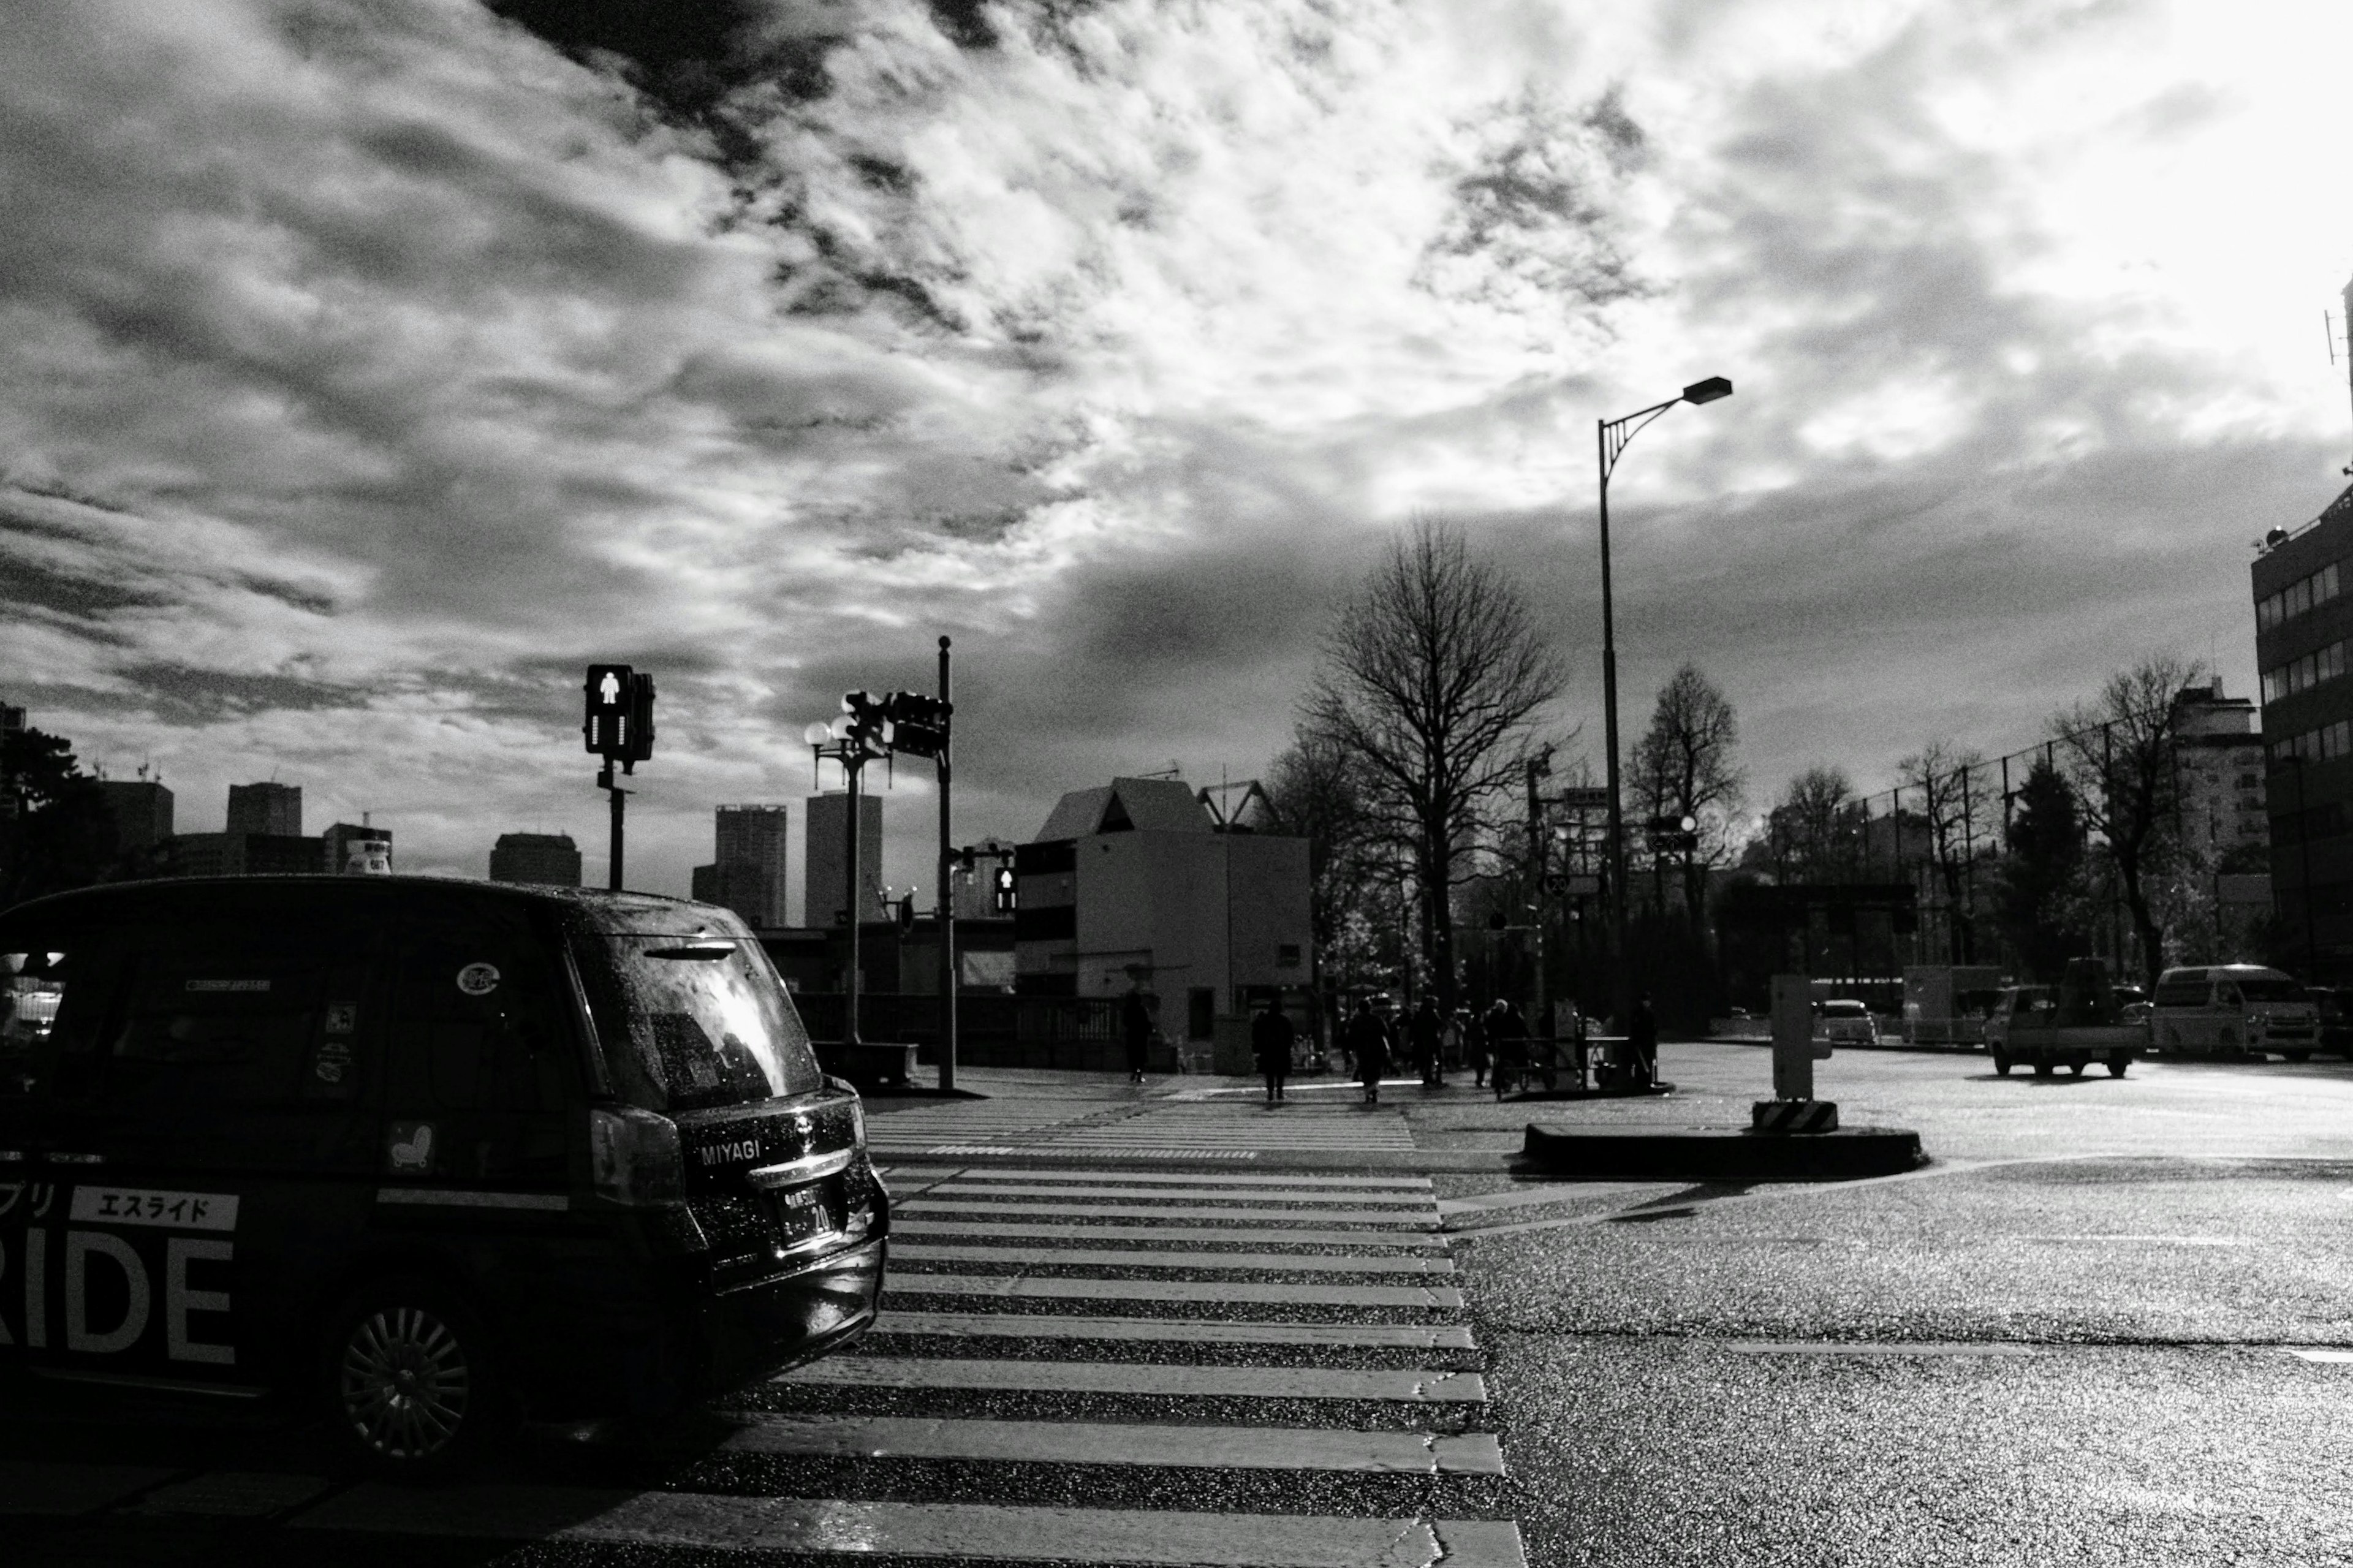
[(2333, 1016), (2233, 1009), (2071, 1025), (421, 1155), (1843, 1020)]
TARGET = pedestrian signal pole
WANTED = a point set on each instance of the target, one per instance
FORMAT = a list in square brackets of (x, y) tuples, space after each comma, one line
[(619, 726), (947, 900)]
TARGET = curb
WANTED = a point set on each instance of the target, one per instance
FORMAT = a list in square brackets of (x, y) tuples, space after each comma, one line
[(1401, 1162), (1721, 1154)]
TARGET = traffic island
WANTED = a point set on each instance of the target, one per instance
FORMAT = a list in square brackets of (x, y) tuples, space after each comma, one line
[(1718, 1154), (1633, 1091)]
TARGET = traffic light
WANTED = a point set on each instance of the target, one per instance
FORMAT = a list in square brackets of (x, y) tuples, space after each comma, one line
[(1004, 901), (905, 910), (619, 725), (918, 724), (1673, 835), (870, 717)]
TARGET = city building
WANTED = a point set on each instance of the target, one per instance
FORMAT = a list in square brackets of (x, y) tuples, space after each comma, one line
[(239, 854), (2218, 769), (546, 858), (2304, 620), (275, 809), (826, 851), (141, 810), (747, 873), (357, 848), (1132, 882)]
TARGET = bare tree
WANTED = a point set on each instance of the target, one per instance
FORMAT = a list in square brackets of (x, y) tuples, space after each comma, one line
[(1814, 832), (1683, 767), (2117, 752), (1430, 681), (1953, 809)]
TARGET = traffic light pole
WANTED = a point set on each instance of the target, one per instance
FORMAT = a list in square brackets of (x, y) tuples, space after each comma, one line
[(947, 910), (853, 762), (607, 781)]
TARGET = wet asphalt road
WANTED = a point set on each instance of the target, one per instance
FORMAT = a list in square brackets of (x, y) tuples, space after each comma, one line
[(2071, 1339)]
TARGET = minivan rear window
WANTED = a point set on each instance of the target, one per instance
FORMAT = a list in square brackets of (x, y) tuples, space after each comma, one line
[(706, 1023), (2266, 988)]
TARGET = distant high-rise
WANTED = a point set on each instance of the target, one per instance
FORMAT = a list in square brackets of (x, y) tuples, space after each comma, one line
[(549, 858), (748, 874), (142, 812), (825, 874), (272, 808)]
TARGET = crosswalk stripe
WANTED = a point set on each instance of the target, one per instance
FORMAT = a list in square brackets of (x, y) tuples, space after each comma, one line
[(1103, 1442), (1412, 1385), (1162, 1539), (61, 1490), (1196, 1330), (1218, 1292), (1147, 1257), (1196, 1179), (1396, 1220), (1360, 1239), (1240, 1197)]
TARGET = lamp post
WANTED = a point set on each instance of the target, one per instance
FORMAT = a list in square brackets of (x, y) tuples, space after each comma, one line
[(1611, 436)]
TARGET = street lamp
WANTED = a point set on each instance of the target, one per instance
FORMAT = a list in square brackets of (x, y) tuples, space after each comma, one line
[(1611, 436)]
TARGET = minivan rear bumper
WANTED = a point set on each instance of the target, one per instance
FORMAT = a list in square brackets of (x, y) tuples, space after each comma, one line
[(759, 1330)]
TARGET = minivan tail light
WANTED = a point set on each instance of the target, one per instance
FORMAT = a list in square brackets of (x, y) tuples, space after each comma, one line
[(636, 1157)]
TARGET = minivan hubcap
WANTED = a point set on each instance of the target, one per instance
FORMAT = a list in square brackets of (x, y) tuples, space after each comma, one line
[(405, 1383)]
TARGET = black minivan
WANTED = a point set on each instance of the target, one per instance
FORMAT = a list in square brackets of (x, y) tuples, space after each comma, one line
[(430, 1154)]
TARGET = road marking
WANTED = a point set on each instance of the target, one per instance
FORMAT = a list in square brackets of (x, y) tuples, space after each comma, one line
[(1410, 1384), (1196, 1330), (1240, 1197), (1360, 1239), (233, 1494), (1395, 1220), (1198, 1179), (1146, 1257), (1877, 1347), (2331, 1357), (1433, 1297), (1102, 1443), (1163, 1537), (58, 1491), (2108, 1237)]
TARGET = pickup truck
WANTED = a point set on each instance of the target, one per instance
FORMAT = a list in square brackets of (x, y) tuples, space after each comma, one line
[(2072, 1024)]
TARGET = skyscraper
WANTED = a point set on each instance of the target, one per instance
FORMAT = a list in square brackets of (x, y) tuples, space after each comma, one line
[(551, 859), (272, 808), (748, 873), (823, 864)]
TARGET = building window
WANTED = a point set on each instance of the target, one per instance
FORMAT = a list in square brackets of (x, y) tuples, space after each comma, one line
[(2298, 597), (1286, 956), (2297, 674), (2326, 743)]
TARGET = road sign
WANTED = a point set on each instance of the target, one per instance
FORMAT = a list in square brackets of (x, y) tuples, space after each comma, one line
[(1573, 884), (1584, 798)]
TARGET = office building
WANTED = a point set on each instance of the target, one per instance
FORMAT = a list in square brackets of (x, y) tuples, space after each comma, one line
[(825, 854), (747, 874), (2303, 586), (272, 808), (141, 810), (551, 859), (1132, 882), (239, 854), (2219, 764)]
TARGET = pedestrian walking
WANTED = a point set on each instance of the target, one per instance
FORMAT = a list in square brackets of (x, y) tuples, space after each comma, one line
[(1507, 1037), (1474, 1046), (1423, 1033), (1271, 1037), (1450, 1040), (1135, 1029), (1368, 1044), (1642, 1042)]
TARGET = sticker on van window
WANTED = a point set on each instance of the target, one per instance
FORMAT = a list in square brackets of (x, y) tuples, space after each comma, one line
[(221, 985), (478, 979), (343, 1018), (182, 1211), (411, 1146)]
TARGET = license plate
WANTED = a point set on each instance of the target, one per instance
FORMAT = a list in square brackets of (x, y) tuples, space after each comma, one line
[(803, 1213)]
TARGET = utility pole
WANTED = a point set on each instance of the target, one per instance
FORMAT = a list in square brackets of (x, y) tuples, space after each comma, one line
[(947, 906)]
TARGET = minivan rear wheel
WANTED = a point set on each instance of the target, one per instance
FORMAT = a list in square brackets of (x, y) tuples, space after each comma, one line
[(411, 1390)]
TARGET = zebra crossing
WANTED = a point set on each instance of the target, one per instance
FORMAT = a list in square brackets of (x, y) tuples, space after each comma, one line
[(1154, 1129), (1072, 1366)]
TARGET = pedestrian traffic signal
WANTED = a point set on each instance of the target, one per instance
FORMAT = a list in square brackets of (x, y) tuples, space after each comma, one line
[(1004, 901), (619, 725), (918, 724), (869, 718)]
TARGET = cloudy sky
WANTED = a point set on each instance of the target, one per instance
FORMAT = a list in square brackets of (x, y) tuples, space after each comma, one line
[(368, 366)]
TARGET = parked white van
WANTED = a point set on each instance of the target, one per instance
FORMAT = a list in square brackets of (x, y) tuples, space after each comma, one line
[(2231, 1009)]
